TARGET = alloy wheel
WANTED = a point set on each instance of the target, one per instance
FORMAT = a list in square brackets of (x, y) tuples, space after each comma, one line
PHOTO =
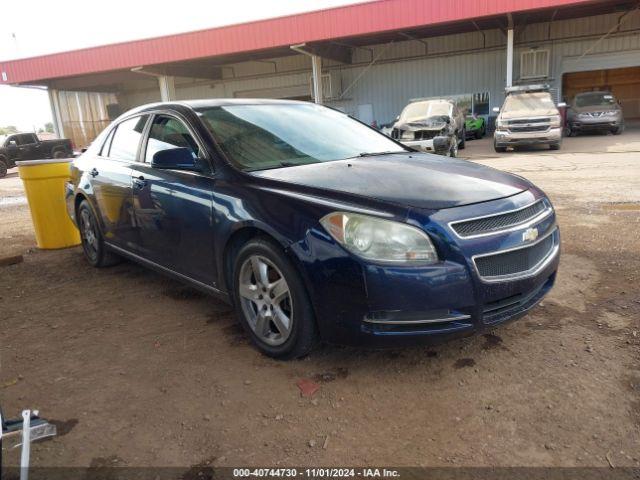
[(266, 300), (88, 234)]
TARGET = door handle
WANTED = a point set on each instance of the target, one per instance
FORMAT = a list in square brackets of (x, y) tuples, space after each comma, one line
[(94, 172), (139, 182)]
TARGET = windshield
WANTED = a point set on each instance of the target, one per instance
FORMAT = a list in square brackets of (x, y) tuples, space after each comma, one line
[(259, 137), (417, 111), (595, 99), (529, 101)]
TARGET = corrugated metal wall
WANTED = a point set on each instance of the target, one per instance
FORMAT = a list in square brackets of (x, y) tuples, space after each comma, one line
[(449, 65)]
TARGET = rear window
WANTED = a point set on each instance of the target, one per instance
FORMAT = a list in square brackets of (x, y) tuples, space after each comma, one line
[(126, 139)]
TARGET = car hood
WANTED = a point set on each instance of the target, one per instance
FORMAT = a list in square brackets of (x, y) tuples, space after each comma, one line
[(415, 180), (423, 125), (595, 108), (528, 113)]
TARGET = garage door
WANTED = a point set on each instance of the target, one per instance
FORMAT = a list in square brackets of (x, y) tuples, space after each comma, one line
[(624, 83)]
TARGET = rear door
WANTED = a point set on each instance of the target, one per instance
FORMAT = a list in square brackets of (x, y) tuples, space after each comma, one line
[(111, 181), (173, 208)]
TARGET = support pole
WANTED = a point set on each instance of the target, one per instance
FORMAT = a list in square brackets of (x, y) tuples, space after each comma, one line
[(26, 445), (510, 57), (316, 66), (56, 117), (167, 88)]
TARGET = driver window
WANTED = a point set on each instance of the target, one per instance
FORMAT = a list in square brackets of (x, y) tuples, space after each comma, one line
[(168, 132)]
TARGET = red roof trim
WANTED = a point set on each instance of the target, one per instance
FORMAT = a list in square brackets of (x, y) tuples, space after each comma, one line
[(340, 22)]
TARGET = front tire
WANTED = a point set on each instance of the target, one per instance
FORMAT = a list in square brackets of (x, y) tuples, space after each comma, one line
[(91, 237), (463, 140), (618, 131), (498, 148), (453, 149), (3, 168), (271, 301), (554, 146), (59, 154)]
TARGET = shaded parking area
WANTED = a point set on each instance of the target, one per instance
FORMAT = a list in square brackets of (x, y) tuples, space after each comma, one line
[(628, 141), (136, 369)]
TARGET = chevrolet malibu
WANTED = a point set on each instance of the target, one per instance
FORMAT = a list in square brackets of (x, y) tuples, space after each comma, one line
[(312, 224)]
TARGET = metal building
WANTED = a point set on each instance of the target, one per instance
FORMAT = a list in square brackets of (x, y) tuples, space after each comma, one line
[(366, 59)]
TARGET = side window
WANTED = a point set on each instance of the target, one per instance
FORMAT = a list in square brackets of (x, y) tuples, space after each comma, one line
[(26, 139), (104, 151), (126, 139), (168, 132)]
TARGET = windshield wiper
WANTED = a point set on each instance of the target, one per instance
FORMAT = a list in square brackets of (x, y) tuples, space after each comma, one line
[(377, 154)]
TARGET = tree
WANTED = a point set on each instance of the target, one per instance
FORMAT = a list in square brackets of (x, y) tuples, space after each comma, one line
[(48, 127), (8, 130)]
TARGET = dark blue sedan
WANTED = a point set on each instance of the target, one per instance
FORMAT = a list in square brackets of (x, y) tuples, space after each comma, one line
[(312, 224)]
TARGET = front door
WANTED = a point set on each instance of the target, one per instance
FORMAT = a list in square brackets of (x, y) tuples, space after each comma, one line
[(111, 181), (173, 208)]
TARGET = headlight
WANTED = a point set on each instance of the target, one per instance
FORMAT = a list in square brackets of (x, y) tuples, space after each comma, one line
[(380, 240), (501, 124), (555, 121)]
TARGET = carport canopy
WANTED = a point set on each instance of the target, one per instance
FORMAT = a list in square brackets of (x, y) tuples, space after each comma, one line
[(96, 75)]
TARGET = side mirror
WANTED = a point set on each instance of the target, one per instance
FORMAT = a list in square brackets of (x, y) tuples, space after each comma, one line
[(562, 105), (180, 158), (495, 110)]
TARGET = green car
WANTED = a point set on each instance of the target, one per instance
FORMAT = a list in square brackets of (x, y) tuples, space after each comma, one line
[(475, 126)]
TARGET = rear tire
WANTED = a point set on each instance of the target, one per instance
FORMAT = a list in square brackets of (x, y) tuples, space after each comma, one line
[(59, 154), (3, 168), (480, 132), (271, 301), (93, 245)]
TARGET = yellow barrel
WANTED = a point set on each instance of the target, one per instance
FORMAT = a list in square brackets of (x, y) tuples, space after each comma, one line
[(44, 185)]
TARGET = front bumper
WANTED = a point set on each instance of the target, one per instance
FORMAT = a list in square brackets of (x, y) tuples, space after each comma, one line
[(595, 124), (504, 138), (439, 145), (359, 303)]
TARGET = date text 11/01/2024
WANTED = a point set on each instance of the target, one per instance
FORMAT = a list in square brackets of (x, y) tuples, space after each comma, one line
[(316, 472)]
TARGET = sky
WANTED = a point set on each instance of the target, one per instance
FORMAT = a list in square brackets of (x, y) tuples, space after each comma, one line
[(70, 24)]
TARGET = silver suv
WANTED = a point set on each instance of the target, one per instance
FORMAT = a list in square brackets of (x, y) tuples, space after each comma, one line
[(528, 117), (594, 111)]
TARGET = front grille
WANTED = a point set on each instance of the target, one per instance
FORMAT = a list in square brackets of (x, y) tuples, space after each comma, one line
[(495, 223), (426, 134), (516, 261), (530, 120), (536, 128)]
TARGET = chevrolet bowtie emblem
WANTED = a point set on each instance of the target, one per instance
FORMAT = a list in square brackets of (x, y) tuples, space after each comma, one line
[(530, 234)]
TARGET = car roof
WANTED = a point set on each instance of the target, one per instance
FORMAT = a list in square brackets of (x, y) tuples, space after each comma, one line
[(601, 92), (213, 102)]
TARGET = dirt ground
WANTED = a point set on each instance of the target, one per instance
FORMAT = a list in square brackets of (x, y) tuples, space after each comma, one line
[(137, 370)]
